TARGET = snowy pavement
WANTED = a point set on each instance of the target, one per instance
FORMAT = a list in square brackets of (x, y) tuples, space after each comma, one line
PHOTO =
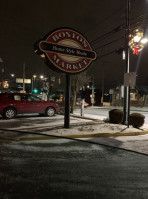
[(87, 129), (90, 125)]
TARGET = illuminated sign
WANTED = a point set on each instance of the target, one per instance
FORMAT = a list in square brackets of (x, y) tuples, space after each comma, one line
[(20, 80), (67, 50)]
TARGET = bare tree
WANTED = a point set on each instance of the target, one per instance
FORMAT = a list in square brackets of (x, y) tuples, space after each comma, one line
[(52, 83), (77, 81)]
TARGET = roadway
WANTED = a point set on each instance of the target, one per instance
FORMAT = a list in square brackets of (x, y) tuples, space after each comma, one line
[(67, 168)]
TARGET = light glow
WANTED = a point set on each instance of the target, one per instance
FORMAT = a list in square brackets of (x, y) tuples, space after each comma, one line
[(34, 76), (144, 40), (41, 76), (137, 41), (137, 38), (42, 55)]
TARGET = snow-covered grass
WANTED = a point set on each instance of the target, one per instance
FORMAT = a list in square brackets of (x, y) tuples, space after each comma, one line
[(90, 124)]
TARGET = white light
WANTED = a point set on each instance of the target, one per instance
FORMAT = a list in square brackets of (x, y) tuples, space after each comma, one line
[(34, 76), (123, 55), (144, 40), (41, 76), (137, 38)]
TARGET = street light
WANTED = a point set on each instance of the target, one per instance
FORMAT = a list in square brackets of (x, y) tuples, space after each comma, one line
[(12, 75), (41, 76), (137, 41), (34, 76)]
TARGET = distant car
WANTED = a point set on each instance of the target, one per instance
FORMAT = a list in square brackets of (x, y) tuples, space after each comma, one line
[(12, 104)]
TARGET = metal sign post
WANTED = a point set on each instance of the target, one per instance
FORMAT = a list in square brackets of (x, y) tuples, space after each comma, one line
[(82, 108), (129, 81), (67, 102)]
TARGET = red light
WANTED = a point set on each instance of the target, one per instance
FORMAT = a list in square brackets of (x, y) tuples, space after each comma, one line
[(83, 88)]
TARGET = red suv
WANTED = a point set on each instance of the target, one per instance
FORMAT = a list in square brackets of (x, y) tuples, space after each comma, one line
[(12, 104)]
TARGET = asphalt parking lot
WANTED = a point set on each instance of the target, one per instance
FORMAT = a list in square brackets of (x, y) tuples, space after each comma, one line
[(67, 168)]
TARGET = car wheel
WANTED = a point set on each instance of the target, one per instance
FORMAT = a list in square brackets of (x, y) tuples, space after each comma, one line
[(50, 111), (9, 113)]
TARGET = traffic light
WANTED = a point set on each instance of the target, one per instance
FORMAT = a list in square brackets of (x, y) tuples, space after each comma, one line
[(83, 88), (35, 91)]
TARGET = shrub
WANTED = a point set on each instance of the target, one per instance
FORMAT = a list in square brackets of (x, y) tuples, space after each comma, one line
[(116, 116), (136, 120)]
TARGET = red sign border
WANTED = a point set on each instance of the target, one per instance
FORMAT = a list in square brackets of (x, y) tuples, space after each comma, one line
[(54, 66)]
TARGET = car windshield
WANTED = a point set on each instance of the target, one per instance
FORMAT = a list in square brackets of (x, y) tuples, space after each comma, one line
[(33, 98)]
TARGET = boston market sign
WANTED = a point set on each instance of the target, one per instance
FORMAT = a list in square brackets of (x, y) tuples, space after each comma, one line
[(67, 50)]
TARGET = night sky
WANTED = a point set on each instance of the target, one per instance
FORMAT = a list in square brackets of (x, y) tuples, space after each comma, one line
[(22, 23)]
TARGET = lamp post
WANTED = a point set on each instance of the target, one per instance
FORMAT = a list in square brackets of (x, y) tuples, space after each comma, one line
[(136, 43), (33, 82), (2, 80), (24, 65), (11, 81), (93, 88), (127, 88)]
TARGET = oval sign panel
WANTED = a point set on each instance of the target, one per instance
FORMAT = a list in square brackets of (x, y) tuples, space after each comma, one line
[(67, 50)]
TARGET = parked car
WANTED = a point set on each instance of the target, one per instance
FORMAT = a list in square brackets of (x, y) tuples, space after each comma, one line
[(12, 104)]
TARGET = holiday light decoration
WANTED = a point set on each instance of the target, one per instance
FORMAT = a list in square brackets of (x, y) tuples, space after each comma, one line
[(5, 84), (137, 41)]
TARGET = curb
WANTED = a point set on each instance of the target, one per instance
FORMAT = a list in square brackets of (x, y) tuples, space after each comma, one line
[(116, 134), (48, 136)]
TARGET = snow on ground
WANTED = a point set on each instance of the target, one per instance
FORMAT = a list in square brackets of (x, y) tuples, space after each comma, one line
[(97, 126), (90, 124), (92, 129)]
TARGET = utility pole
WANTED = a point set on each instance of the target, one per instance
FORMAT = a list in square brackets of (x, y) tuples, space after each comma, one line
[(2, 80), (127, 88), (102, 86), (93, 89), (2, 75), (32, 85), (24, 78)]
